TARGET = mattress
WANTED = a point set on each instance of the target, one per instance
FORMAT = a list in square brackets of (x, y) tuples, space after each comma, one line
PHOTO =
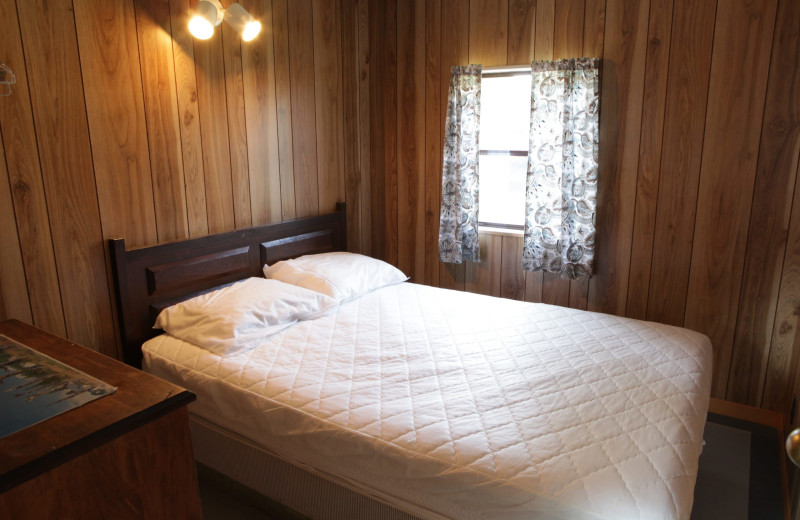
[(466, 406)]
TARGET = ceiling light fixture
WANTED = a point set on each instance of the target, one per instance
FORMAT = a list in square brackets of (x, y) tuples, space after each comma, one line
[(242, 22), (208, 14)]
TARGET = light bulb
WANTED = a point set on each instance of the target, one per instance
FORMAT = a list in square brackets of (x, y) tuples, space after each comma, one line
[(200, 28), (242, 22), (207, 15), (251, 30)]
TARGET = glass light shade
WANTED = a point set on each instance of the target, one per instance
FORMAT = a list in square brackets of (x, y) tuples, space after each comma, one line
[(207, 15), (242, 22)]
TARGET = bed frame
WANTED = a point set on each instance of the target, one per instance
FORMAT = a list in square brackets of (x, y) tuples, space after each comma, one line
[(149, 279)]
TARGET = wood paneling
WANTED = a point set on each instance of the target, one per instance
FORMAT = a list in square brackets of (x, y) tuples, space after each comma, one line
[(260, 107), (411, 138), (122, 123), (162, 119), (730, 149), (698, 212), (280, 33), (650, 142), (65, 155), (687, 94), (23, 178), (328, 100), (109, 61), (769, 224)]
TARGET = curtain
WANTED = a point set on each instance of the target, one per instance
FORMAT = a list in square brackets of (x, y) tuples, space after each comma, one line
[(561, 185), (458, 218)]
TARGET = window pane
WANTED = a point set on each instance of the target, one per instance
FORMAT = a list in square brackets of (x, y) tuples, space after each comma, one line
[(505, 112), (502, 189)]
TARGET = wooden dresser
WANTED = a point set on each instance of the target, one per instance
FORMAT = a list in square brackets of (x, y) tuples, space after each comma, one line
[(125, 455)]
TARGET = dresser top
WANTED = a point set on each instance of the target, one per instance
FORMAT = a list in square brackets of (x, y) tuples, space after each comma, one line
[(139, 399)]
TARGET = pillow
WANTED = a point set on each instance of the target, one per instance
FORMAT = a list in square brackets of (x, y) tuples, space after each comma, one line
[(342, 276), (241, 315)]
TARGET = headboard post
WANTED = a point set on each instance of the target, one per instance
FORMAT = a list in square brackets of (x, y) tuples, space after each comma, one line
[(147, 279)]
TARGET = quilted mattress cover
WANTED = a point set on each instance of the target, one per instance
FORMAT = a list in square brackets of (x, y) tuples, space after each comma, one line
[(469, 406)]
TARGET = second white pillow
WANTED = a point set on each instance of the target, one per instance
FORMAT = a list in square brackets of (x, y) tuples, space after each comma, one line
[(340, 275)]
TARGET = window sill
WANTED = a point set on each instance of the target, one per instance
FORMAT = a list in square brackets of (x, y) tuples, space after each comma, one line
[(488, 230)]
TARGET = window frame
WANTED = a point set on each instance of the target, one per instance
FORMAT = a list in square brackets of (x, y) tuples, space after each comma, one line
[(503, 72)]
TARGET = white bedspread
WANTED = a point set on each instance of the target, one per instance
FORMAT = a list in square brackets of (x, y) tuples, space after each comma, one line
[(470, 406)]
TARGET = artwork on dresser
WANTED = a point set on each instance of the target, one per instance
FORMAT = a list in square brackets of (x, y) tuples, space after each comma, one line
[(35, 387)]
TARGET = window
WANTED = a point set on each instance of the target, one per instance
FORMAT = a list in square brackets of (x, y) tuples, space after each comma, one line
[(503, 155)]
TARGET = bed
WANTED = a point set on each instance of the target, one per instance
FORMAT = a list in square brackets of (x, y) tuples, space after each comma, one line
[(417, 402)]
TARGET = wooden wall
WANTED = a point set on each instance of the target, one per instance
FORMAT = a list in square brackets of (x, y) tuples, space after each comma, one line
[(121, 124), (699, 215)]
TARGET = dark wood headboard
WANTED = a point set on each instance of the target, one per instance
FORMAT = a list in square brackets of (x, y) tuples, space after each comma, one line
[(149, 279)]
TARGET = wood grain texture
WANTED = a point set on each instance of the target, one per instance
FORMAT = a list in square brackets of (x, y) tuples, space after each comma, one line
[(488, 32), (162, 118), (545, 29), (237, 125), (14, 300), (24, 179), (260, 112), (210, 75), (484, 277), (377, 64), (411, 138), (772, 207), (390, 193), (650, 143), (594, 27), (521, 31), (434, 138), (687, 94), (512, 277), (455, 51), (620, 124), (364, 125), (350, 123), (109, 58), (51, 49), (738, 79), (283, 93), (189, 118), (782, 366), (328, 100), (304, 128)]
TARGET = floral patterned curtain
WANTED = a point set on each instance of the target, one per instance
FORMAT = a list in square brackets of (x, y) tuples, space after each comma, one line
[(561, 187), (458, 219)]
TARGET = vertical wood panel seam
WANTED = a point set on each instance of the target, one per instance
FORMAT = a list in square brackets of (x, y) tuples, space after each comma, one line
[(736, 330), (314, 85), (180, 125), (153, 187), (109, 289), (700, 174), (658, 184), (19, 242), (228, 127), (44, 191)]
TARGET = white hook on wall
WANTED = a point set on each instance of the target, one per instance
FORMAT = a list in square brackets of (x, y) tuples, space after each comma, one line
[(6, 78)]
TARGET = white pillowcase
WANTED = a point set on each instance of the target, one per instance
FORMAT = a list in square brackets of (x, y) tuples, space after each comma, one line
[(342, 276), (242, 315)]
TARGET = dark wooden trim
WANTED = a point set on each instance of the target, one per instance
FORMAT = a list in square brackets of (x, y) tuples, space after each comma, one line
[(149, 279)]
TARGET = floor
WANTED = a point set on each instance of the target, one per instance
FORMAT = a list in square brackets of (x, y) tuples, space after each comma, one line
[(739, 479)]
